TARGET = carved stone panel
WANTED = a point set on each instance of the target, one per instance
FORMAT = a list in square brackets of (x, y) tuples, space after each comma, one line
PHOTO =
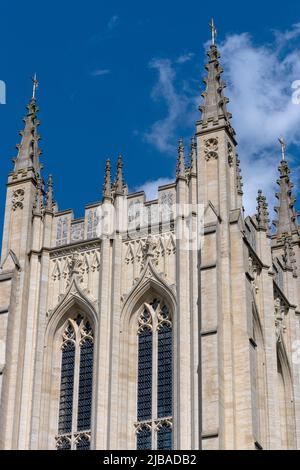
[(17, 199), (211, 149)]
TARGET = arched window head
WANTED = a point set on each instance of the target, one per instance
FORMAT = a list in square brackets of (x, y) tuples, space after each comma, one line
[(75, 398), (154, 376)]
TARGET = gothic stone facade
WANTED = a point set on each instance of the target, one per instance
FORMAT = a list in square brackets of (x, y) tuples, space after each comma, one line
[(134, 340)]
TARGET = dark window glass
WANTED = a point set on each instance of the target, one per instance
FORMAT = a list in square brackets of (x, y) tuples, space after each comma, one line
[(164, 372), (66, 389), (85, 386), (164, 437), (83, 443), (144, 406), (144, 439), (64, 444)]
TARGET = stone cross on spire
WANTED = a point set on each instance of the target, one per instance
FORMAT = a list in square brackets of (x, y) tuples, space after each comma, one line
[(282, 143), (213, 31), (35, 85)]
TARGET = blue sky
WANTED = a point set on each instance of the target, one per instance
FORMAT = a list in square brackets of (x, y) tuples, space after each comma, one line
[(114, 74)]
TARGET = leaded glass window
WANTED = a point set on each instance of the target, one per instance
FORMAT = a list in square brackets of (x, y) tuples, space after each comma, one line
[(75, 399), (154, 385), (164, 436), (143, 437)]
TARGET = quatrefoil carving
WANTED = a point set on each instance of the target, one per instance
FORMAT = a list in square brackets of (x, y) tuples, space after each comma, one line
[(211, 148), (17, 199)]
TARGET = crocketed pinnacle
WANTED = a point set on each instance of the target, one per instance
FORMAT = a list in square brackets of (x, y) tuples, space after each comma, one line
[(180, 171), (119, 184), (49, 195), (193, 156), (38, 204), (28, 149), (262, 215), (214, 107), (107, 180), (286, 222)]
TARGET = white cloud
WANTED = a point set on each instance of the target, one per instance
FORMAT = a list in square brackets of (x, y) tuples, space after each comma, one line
[(99, 72), (182, 59), (162, 132), (259, 81), (113, 22), (151, 187)]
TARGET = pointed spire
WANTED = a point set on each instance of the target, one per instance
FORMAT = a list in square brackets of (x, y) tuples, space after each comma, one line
[(107, 181), (28, 150), (262, 215), (287, 216), (49, 195), (214, 108), (119, 184), (180, 172), (193, 155)]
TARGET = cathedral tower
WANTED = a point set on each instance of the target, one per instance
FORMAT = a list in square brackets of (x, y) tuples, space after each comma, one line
[(163, 324)]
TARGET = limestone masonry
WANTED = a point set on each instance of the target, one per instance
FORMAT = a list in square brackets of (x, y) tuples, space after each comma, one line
[(131, 338)]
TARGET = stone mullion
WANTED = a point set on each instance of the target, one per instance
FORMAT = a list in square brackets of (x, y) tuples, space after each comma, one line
[(154, 377), (75, 389)]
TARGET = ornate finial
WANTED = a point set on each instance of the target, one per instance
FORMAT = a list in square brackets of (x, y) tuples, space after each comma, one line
[(35, 85), (193, 155), (180, 173), (262, 215), (49, 195), (213, 31), (107, 181), (282, 143), (119, 181)]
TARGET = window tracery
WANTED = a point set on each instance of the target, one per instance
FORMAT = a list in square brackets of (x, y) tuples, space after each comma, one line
[(154, 384), (75, 400)]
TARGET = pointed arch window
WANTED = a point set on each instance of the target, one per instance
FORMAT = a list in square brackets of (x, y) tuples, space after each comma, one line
[(154, 377), (76, 380)]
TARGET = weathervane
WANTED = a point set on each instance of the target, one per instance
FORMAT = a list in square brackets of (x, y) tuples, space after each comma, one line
[(282, 143), (213, 31), (35, 85)]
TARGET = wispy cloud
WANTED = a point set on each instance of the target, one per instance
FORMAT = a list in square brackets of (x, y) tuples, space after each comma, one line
[(113, 22), (182, 59), (151, 187), (162, 132), (100, 72), (107, 32), (260, 79)]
